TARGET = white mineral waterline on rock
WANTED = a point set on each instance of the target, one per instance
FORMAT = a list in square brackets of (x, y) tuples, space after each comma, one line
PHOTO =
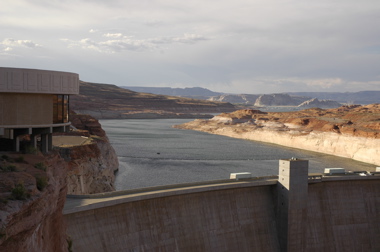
[(358, 148)]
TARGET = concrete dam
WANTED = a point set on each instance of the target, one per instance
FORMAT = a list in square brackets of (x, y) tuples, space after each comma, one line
[(294, 211)]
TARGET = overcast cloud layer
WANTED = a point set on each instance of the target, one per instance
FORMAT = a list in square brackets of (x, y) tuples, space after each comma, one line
[(240, 46)]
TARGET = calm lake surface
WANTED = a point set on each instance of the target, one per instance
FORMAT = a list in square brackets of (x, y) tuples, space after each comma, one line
[(152, 153)]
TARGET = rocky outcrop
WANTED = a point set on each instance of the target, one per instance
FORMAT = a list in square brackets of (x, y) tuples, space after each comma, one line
[(91, 168), (34, 222), (91, 165), (33, 188), (349, 131), (275, 100), (235, 98), (315, 103)]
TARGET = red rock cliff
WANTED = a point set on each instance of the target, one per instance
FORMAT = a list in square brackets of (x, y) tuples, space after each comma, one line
[(91, 165), (34, 223)]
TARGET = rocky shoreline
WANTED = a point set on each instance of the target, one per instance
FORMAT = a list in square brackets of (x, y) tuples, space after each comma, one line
[(351, 132)]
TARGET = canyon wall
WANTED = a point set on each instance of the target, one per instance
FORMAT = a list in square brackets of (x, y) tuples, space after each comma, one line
[(92, 168), (35, 223), (104, 101), (91, 165)]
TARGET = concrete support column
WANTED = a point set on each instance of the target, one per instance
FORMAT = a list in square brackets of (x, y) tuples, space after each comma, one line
[(44, 143), (17, 143), (292, 204), (50, 141), (33, 141)]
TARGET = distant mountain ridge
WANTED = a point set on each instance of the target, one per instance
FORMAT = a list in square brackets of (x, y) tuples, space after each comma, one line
[(104, 101), (361, 97), (194, 92), (296, 98)]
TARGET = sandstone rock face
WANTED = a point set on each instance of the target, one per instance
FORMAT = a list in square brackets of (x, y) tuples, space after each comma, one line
[(348, 131), (36, 223), (91, 166), (275, 100), (235, 98), (319, 103)]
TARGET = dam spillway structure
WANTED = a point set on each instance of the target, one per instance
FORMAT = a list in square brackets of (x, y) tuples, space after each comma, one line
[(294, 211)]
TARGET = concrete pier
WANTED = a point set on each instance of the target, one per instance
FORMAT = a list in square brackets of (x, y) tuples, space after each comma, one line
[(292, 204)]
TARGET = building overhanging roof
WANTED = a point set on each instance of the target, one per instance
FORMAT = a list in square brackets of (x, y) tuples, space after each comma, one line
[(23, 80)]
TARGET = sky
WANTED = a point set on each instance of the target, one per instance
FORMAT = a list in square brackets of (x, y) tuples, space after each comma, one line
[(239, 46)]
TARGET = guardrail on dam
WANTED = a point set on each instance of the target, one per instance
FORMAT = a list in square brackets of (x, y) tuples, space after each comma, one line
[(295, 211)]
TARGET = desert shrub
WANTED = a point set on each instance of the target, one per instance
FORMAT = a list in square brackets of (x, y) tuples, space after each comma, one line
[(8, 168), (20, 159), (19, 192), (29, 149), (3, 232), (69, 244), (5, 157), (40, 166), (42, 182), (3, 200)]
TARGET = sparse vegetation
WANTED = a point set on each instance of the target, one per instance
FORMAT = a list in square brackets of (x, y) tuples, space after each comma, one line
[(69, 244), (8, 168), (3, 200), (20, 159), (42, 182), (29, 149), (3, 232), (40, 166), (5, 157), (19, 192)]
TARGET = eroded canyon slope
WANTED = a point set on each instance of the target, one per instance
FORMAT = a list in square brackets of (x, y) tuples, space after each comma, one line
[(105, 101), (348, 131), (33, 186), (91, 164)]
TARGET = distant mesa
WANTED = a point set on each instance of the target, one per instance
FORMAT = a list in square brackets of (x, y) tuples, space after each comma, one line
[(266, 100), (236, 98), (194, 92), (319, 103), (276, 100)]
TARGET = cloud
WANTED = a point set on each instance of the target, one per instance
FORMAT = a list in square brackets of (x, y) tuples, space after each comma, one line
[(120, 42), (9, 44), (113, 35), (241, 46), (15, 43), (184, 39)]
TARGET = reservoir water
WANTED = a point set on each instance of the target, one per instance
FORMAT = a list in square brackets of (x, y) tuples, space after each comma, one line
[(152, 153)]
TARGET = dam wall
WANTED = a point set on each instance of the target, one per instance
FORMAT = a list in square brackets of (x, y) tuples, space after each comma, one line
[(236, 219), (341, 213)]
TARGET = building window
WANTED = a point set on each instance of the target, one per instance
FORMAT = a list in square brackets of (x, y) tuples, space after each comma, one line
[(60, 109)]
